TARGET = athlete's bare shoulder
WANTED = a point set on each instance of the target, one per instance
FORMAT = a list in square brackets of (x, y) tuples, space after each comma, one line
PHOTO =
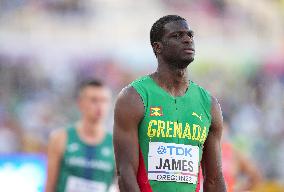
[(217, 118), (129, 102), (129, 92), (57, 140)]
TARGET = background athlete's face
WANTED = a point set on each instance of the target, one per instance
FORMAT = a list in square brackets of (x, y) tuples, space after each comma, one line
[(177, 44), (94, 102)]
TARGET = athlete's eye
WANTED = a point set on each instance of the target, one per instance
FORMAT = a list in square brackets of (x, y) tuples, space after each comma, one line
[(177, 35), (190, 34)]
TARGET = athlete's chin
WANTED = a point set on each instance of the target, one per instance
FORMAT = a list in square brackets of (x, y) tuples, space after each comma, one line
[(189, 59), (185, 62)]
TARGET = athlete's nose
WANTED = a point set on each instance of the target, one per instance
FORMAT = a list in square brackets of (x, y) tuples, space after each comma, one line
[(187, 39)]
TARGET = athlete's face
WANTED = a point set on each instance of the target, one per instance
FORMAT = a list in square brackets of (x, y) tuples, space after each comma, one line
[(177, 46), (94, 102)]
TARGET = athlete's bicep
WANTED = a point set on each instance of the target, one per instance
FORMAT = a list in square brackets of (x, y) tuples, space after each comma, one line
[(211, 159), (128, 112), (54, 154)]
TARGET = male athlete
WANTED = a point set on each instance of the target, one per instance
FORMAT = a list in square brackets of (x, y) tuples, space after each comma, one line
[(166, 126), (80, 158)]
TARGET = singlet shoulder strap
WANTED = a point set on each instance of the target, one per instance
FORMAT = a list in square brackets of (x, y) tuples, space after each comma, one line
[(203, 96), (141, 85), (71, 134)]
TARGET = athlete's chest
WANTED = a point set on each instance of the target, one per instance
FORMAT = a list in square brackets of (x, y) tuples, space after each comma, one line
[(78, 157), (178, 120), (173, 132)]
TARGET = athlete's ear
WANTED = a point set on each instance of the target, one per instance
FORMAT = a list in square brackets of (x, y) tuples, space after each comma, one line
[(157, 46)]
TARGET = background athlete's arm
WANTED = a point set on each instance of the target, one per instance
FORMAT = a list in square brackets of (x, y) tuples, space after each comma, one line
[(246, 167), (211, 159), (55, 151), (128, 112)]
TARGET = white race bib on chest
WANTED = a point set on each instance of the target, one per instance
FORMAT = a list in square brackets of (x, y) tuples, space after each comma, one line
[(173, 162), (77, 184)]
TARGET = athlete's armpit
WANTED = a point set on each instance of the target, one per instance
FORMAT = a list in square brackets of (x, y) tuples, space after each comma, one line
[(211, 159), (129, 111)]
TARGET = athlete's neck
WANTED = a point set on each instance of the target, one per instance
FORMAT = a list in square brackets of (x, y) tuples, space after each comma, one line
[(173, 80), (91, 132)]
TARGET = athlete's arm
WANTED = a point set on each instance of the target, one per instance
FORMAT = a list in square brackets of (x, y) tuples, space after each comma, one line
[(211, 159), (55, 151), (128, 112)]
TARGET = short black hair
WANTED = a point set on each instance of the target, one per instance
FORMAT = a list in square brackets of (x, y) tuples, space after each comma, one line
[(157, 30), (91, 83)]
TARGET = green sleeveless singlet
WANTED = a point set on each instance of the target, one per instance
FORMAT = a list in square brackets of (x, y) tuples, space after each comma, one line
[(171, 136), (86, 167)]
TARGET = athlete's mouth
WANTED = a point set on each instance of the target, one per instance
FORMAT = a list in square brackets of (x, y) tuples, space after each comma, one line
[(189, 50)]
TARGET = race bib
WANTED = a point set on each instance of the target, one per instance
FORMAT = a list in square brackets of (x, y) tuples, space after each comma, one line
[(77, 184), (173, 162)]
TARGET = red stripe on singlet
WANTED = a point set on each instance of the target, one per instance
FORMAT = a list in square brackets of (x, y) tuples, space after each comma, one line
[(142, 176), (199, 180)]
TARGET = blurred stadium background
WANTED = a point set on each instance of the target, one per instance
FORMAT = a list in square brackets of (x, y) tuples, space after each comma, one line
[(48, 47)]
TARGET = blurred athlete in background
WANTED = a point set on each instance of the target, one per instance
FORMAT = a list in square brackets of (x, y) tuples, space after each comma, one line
[(80, 158), (236, 164), (166, 126)]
